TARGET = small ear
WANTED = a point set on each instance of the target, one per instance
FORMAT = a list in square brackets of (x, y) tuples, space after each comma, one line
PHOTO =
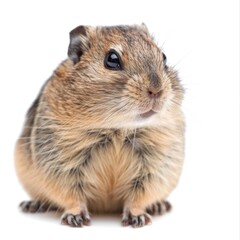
[(79, 42), (144, 28)]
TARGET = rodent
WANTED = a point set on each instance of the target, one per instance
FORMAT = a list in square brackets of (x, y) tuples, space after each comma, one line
[(106, 132)]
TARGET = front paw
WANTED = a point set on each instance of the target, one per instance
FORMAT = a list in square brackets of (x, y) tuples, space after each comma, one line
[(135, 220), (76, 220)]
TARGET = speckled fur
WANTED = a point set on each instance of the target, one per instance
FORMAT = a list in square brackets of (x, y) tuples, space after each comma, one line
[(84, 144)]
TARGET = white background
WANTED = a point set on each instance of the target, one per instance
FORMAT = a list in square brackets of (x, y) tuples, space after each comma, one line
[(202, 39)]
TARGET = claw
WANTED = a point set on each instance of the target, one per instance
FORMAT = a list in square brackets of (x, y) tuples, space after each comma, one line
[(76, 220), (136, 221)]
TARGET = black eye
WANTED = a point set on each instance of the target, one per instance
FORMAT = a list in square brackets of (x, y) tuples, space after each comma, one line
[(164, 59), (113, 61)]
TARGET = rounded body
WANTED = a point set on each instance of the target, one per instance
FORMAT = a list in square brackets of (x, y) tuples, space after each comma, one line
[(106, 133)]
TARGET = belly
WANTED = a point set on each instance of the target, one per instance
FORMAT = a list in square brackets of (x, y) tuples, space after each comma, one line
[(109, 178)]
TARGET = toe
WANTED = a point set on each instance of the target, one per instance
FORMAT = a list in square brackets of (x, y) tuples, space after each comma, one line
[(30, 206), (168, 206), (34, 206), (24, 206), (125, 219)]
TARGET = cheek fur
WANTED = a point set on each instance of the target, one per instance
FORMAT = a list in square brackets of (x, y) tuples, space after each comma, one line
[(136, 91)]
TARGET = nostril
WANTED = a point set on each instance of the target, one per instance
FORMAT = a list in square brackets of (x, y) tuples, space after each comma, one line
[(154, 94), (150, 93)]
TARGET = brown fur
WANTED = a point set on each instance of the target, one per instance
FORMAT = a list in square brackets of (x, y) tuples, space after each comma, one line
[(83, 145)]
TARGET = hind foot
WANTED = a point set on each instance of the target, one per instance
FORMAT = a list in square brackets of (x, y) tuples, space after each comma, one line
[(36, 206), (159, 208)]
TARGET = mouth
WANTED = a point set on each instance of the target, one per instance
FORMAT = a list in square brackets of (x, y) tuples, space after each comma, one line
[(147, 114)]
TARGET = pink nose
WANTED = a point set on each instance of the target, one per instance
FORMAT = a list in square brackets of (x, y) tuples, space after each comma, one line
[(154, 93)]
